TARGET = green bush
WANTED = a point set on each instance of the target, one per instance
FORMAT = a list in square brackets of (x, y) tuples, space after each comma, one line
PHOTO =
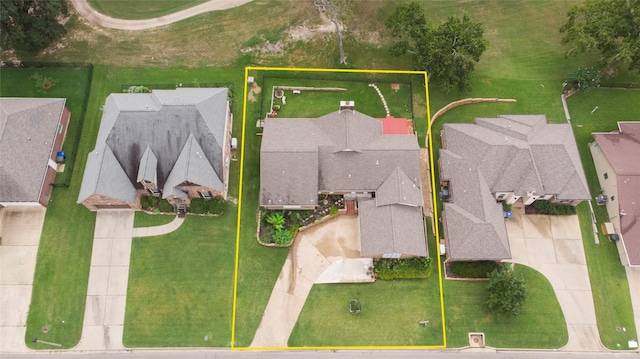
[(479, 269), (282, 236), (197, 206), (506, 293), (149, 202), (391, 268), (333, 211), (276, 219), (547, 207), (165, 206), (216, 205)]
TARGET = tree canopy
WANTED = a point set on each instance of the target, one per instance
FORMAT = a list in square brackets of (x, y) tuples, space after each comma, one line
[(610, 27), (506, 293), (31, 24), (448, 52)]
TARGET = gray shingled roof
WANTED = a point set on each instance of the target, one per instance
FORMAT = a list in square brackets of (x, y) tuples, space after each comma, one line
[(179, 127), (342, 151), (28, 128), (511, 153), (391, 229)]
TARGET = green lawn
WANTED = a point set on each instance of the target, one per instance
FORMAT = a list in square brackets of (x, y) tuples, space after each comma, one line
[(181, 285), (141, 9), (64, 254), (541, 324), (391, 312), (143, 219), (605, 270)]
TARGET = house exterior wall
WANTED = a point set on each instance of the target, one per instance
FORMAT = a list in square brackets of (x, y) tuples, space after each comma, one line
[(608, 185), (96, 202), (226, 150), (50, 175)]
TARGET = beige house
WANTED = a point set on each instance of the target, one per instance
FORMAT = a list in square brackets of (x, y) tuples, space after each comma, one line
[(348, 153), (615, 155), (516, 159), (32, 131), (169, 143)]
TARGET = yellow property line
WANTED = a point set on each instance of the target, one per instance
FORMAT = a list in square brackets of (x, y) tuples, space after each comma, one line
[(237, 254)]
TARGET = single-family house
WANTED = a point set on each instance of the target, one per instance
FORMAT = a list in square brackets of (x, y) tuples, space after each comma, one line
[(169, 143), (347, 153), (618, 167), (516, 159), (32, 131)]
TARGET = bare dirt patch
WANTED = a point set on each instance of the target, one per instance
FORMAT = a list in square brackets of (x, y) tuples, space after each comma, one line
[(253, 91)]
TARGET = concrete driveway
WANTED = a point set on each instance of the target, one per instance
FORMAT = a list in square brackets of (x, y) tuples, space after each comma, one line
[(325, 253), (553, 246), (20, 230)]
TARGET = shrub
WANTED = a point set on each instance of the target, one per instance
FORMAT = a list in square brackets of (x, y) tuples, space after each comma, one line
[(276, 219), (506, 293), (149, 202), (479, 269), (216, 205), (391, 268), (165, 206), (333, 211), (547, 207), (282, 236), (197, 206)]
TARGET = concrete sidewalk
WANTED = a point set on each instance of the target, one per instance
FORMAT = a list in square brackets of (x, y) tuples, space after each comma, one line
[(20, 230), (96, 18), (553, 246), (158, 230), (326, 253)]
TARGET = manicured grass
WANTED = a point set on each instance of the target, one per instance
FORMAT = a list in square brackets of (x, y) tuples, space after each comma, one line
[(143, 219), (541, 324), (605, 270), (390, 316), (181, 285), (65, 245), (141, 9)]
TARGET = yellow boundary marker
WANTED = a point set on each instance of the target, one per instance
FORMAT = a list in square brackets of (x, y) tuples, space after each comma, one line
[(437, 236)]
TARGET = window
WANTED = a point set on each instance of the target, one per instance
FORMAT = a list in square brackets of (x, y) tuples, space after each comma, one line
[(59, 128), (606, 175)]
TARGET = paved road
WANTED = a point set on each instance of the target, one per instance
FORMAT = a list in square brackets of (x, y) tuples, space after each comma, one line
[(344, 354), (96, 18)]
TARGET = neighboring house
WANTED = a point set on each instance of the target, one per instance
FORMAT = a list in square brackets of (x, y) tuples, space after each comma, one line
[(517, 159), (615, 155), (169, 143), (32, 131), (347, 153)]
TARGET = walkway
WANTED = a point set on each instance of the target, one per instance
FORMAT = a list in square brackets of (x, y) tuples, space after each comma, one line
[(109, 275), (553, 246), (20, 230), (96, 18), (326, 253)]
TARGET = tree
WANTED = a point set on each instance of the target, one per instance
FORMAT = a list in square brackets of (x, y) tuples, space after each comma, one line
[(506, 293), (31, 24), (337, 11), (609, 27), (447, 52)]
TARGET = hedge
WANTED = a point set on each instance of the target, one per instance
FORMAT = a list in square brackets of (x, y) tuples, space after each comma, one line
[(479, 269), (391, 268), (547, 207)]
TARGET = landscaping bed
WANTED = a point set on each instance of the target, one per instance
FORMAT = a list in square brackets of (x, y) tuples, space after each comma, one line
[(471, 270), (392, 268), (279, 227), (546, 207)]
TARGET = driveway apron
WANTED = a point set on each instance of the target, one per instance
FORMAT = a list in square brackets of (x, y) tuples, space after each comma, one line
[(20, 230), (108, 277), (553, 246), (326, 253)]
